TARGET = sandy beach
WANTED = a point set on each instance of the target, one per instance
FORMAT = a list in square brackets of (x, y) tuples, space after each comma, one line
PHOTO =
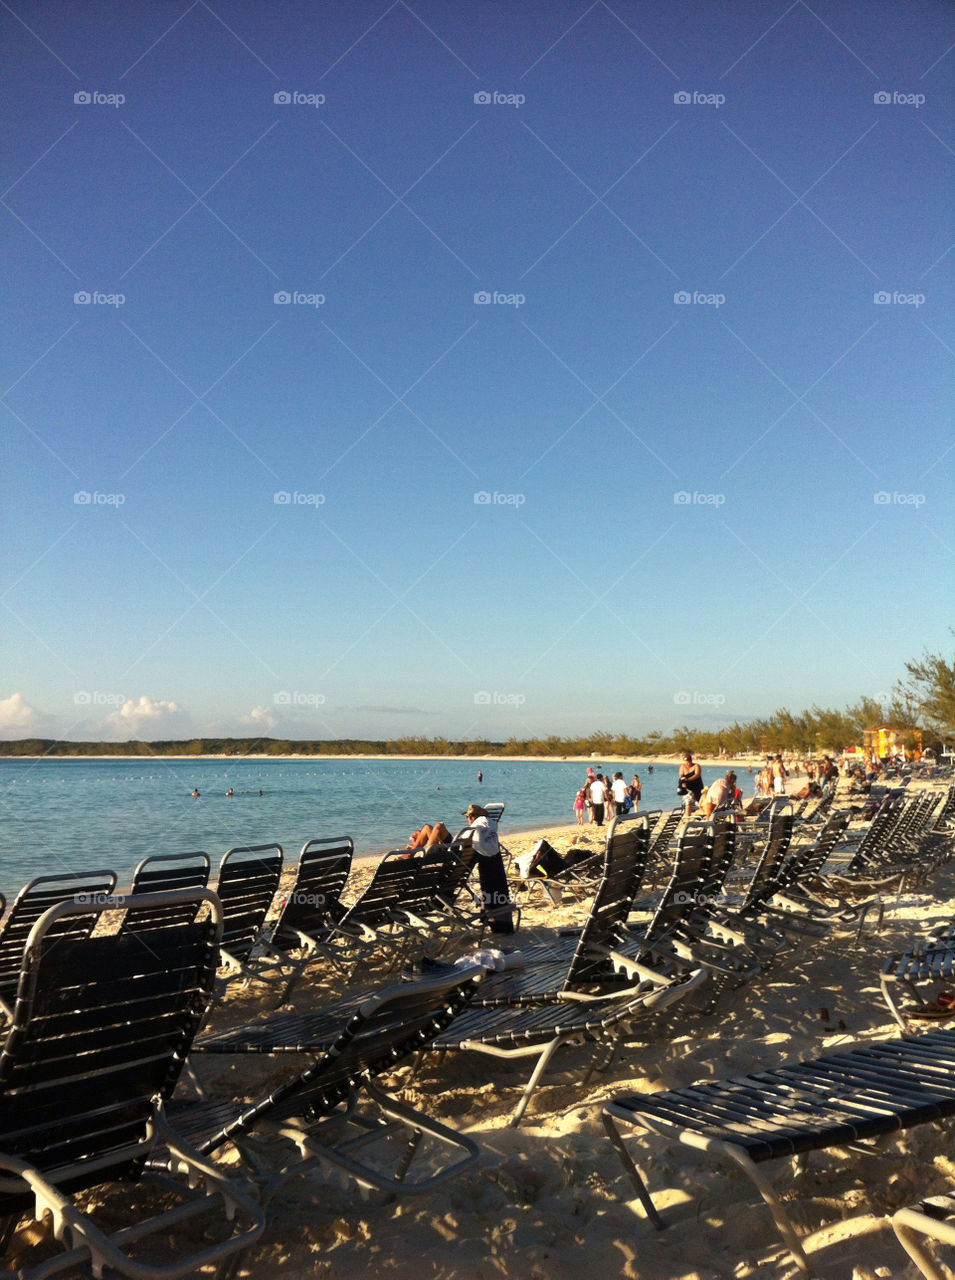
[(549, 1200)]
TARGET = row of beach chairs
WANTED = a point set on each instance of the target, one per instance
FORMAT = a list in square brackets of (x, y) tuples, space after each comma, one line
[(128, 1001)]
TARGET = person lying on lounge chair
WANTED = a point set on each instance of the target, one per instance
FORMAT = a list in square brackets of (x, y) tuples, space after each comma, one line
[(429, 834)]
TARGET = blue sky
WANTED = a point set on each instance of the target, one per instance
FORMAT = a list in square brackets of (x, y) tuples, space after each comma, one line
[(613, 390)]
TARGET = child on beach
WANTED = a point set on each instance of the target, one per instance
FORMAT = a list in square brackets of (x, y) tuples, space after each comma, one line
[(579, 808)]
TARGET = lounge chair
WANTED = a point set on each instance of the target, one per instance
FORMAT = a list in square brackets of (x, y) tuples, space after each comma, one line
[(30, 904), (581, 968), (930, 962), (99, 1034), (840, 1099), (540, 1031), (311, 913), (377, 923), (246, 885), (332, 1113)]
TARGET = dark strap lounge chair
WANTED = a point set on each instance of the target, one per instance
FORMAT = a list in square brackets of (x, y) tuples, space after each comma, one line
[(845, 1098), (166, 873), (247, 883), (311, 913), (100, 1031), (30, 904), (332, 1113)]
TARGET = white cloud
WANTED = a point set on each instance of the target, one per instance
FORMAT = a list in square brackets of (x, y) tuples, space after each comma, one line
[(259, 718), (16, 715), (159, 717)]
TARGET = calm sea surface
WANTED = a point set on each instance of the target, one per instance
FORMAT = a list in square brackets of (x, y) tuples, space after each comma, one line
[(69, 815)]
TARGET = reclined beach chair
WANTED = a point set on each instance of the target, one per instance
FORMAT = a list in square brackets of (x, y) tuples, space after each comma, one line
[(378, 922), (99, 1033), (581, 968), (840, 1099), (333, 1114), (30, 904), (165, 873), (312, 911), (246, 886), (680, 935), (540, 1031), (929, 962)]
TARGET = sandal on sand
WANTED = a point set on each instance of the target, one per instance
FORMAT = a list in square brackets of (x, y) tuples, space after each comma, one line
[(932, 1010)]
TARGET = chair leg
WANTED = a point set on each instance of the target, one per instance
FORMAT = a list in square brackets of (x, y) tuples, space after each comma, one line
[(906, 1223), (631, 1170), (536, 1074)]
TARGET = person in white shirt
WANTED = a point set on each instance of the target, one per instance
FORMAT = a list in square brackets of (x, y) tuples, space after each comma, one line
[(597, 790), (619, 790), (481, 834)]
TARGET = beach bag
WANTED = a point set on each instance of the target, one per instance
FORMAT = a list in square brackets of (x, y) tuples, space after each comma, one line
[(545, 860)]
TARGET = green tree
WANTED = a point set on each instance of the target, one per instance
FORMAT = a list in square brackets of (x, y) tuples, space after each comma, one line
[(929, 688)]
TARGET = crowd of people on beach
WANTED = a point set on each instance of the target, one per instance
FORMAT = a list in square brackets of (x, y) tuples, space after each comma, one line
[(604, 796), (601, 797)]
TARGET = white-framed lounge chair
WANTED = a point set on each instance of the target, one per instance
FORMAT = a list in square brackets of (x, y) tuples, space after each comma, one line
[(540, 1031), (100, 1031), (841, 1099)]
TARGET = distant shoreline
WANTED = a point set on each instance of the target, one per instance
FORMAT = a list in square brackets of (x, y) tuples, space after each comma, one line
[(708, 761)]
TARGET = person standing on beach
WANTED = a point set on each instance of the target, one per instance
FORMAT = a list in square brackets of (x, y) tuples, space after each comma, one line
[(619, 790), (690, 784), (636, 790), (779, 776), (579, 803), (481, 835), (597, 792)]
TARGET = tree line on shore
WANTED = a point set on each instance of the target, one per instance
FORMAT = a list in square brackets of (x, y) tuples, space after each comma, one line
[(923, 701)]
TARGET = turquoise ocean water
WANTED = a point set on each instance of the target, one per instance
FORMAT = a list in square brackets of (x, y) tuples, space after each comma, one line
[(68, 815)]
